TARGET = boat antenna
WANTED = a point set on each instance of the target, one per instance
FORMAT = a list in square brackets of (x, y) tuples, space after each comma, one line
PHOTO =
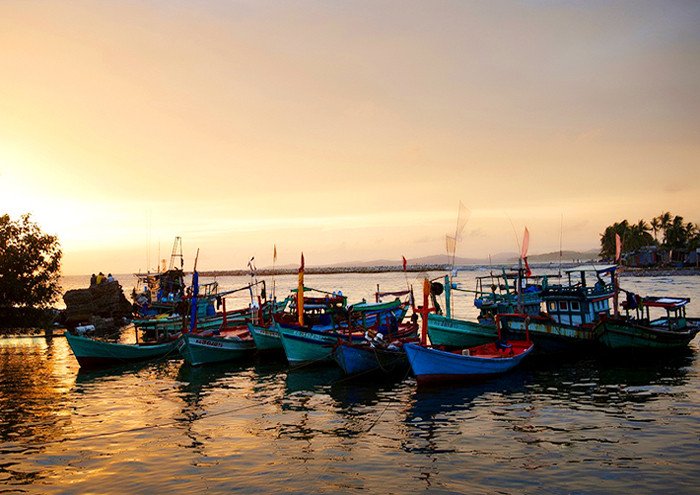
[(515, 234), (274, 260), (561, 234), (253, 277), (148, 241), (463, 214)]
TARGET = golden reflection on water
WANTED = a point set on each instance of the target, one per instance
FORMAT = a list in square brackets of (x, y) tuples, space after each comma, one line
[(165, 426)]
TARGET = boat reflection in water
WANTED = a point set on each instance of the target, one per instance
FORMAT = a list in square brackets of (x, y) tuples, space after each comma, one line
[(562, 425)]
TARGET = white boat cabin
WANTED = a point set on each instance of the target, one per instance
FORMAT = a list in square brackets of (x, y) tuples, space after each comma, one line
[(579, 302)]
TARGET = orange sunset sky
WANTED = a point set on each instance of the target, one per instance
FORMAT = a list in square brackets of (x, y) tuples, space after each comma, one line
[(349, 130)]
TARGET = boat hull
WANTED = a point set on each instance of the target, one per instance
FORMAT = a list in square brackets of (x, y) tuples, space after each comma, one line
[(305, 346), (431, 365), (551, 337), (354, 359), (458, 333), (198, 350), (621, 334), (265, 338), (92, 353)]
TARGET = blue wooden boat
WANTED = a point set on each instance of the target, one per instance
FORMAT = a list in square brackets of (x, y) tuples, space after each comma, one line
[(432, 365), (381, 350), (92, 353)]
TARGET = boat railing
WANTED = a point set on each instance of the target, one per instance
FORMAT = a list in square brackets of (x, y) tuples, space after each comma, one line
[(578, 290)]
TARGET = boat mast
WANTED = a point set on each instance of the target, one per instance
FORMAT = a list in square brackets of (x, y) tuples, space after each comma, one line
[(177, 253)]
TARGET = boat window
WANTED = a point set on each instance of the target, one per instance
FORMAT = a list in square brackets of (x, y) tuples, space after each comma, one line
[(552, 306), (563, 305), (575, 306)]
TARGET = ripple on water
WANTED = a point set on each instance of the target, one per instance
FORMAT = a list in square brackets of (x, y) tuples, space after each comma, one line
[(578, 426)]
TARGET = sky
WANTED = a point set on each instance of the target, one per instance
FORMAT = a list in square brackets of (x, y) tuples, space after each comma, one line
[(347, 130)]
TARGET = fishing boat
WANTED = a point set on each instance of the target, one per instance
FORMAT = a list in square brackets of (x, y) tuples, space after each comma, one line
[(207, 347), (640, 331), (93, 353), (506, 293), (381, 350), (231, 341), (573, 310), (160, 293), (432, 364), (208, 318), (319, 313), (303, 344), (376, 353)]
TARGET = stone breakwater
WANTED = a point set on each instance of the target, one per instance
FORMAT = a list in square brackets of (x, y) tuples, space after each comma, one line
[(327, 270), (659, 272), (545, 267)]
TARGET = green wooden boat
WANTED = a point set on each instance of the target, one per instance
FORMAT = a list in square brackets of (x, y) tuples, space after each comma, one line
[(200, 349), (319, 312), (266, 338), (573, 310), (638, 331), (453, 332), (92, 353), (305, 344), (498, 297)]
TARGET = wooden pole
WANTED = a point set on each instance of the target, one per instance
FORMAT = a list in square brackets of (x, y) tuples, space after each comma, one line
[(424, 312)]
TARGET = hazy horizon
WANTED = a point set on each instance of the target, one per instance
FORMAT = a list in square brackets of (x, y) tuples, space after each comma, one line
[(348, 131)]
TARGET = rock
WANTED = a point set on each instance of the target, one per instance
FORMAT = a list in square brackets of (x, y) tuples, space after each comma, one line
[(105, 301)]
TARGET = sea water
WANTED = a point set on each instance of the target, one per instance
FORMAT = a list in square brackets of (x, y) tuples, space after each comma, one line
[(587, 424)]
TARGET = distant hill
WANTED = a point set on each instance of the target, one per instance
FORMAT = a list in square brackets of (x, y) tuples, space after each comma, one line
[(566, 256), (442, 259)]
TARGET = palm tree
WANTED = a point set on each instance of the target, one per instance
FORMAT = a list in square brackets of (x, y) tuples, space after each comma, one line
[(655, 226), (665, 220), (607, 239), (675, 235)]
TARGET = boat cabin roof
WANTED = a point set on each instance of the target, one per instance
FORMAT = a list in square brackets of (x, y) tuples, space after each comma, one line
[(665, 302), (592, 268)]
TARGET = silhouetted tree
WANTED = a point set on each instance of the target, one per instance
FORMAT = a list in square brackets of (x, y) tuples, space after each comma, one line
[(30, 262), (655, 227), (633, 237)]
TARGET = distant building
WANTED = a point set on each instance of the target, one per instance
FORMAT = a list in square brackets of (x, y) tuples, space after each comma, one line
[(646, 256)]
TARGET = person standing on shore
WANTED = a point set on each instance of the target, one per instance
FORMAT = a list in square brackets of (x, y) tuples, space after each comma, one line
[(93, 280)]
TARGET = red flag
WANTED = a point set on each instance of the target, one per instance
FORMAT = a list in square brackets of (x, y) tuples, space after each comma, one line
[(528, 272), (274, 253), (526, 243), (618, 247), (404, 263)]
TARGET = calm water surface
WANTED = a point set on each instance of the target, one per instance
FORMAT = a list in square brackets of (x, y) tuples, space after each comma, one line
[(590, 424)]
